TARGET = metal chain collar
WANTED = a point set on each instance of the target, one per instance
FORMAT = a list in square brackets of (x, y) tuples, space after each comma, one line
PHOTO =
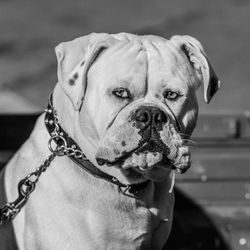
[(28, 184), (61, 148)]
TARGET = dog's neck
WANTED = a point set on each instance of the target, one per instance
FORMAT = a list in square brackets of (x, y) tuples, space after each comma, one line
[(81, 181), (63, 105)]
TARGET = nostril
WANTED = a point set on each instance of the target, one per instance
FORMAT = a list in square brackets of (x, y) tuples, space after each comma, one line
[(144, 116), (159, 118), (150, 116)]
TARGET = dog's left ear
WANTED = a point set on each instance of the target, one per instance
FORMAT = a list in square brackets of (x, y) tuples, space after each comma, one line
[(74, 59), (197, 57)]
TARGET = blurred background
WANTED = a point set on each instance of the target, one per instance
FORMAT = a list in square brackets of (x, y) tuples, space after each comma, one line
[(212, 208)]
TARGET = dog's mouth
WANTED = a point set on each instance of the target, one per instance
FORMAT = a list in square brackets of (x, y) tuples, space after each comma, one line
[(143, 157), (153, 156), (147, 156)]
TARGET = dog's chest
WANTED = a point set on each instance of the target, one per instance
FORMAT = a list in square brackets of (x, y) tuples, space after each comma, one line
[(121, 225)]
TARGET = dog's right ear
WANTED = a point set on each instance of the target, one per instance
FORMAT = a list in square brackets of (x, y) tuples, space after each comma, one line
[(74, 59)]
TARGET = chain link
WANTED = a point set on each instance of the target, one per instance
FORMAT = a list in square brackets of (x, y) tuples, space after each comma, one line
[(25, 187), (61, 147), (58, 147)]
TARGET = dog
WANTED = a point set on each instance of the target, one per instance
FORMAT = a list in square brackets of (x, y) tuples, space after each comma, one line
[(129, 105)]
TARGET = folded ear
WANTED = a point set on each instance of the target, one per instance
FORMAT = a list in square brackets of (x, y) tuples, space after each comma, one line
[(197, 57), (74, 59)]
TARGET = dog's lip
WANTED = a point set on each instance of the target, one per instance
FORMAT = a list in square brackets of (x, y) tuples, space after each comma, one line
[(148, 146), (117, 160), (151, 146)]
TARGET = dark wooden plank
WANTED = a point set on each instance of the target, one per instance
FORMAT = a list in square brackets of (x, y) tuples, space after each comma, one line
[(219, 192), (222, 126), (214, 164)]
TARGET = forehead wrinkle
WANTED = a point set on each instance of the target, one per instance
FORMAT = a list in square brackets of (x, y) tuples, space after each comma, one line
[(127, 53), (127, 48), (129, 67), (123, 49), (154, 53), (158, 52), (181, 69), (153, 57), (175, 61), (172, 69)]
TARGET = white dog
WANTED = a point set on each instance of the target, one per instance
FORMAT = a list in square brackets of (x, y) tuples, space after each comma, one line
[(116, 125)]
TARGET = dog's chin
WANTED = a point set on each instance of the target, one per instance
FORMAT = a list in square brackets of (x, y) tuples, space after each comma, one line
[(144, 166), (136, 175), (133, 176)]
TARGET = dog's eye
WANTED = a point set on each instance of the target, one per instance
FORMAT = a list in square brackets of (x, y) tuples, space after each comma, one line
[(171, 95), (121, 93)]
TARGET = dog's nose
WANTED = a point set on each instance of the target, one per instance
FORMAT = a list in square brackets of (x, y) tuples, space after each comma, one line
[(150, 116)]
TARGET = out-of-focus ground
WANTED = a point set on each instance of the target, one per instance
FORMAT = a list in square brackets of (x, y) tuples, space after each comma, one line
[(29, 31)]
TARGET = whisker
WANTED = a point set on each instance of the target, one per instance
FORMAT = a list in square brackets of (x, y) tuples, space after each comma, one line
[(190, 142), (187, 140), (183, 134)]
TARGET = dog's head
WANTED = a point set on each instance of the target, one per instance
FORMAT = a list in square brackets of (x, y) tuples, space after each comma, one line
[(135, 97)]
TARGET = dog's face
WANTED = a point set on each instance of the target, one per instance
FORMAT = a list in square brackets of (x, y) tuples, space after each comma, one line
[(139, 104), (146, 104)]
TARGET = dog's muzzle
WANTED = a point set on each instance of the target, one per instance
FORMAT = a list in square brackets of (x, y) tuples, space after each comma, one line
[(150, 136)]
